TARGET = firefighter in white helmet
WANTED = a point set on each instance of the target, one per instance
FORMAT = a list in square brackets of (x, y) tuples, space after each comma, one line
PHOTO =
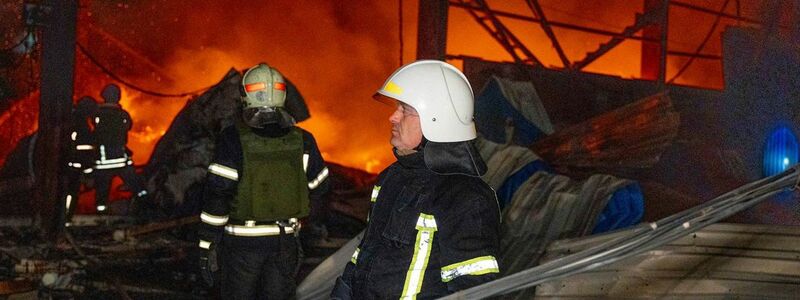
[(433, 227), (265, 176)]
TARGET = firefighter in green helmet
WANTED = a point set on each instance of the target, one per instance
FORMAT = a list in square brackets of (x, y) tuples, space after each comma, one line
[(263, 178)]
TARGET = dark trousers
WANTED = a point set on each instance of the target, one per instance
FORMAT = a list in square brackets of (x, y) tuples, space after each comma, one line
[(72, 189), (259, 267), (102, 182)]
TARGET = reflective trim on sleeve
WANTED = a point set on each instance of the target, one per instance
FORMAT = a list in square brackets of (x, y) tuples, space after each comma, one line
[(87, 171), (375, 191), (205, 244), (224, 171), (354, 259), (68, 202), (213, 220), (84, 147), (320, 178), (305, 162), (111, 161), (476, 266), (426, 226), (110, 166)]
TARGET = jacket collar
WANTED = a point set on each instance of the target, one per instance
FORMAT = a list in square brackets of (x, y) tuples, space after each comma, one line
[(414, 160)]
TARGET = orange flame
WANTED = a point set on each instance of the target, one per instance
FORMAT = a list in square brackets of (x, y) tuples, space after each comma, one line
[(338, 53)]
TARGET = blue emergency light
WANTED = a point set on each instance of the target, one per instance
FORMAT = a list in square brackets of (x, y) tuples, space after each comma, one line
[(780, 152)]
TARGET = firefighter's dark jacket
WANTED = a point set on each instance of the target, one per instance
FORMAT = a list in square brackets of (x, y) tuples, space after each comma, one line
[(428, 234), (111, 125), (221, 183)]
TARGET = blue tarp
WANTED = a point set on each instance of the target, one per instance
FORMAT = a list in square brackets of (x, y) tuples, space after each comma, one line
[(625, 208), (492, 110), (506, 191)]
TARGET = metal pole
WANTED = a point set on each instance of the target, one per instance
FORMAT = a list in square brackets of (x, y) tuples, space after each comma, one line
[(55, 104), (432, 29)]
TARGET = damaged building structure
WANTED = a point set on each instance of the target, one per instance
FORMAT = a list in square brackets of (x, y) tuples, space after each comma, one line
[(610, 187)]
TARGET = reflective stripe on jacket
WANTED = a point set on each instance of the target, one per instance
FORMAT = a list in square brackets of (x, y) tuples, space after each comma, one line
[(428, 235)]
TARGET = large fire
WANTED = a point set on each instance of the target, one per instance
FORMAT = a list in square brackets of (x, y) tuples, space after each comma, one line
[(337, 53)]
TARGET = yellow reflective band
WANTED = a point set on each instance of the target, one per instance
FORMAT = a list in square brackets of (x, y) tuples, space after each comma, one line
[(476, 266), (393, 88), (422, 253), (224, 171), (426, 222), (375, 191), (213, 220), (354, 259), (205, 244), (320, 178)]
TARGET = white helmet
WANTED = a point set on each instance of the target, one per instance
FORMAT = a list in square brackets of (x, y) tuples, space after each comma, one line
[(441, 95)]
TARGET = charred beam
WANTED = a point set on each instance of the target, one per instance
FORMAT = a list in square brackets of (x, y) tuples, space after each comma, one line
[(652, 16), (457, 3), (432, 29), (537, 9), (486, 18), (713, 12)]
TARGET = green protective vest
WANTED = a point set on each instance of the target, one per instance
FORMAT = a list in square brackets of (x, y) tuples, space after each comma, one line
[(273, 184)]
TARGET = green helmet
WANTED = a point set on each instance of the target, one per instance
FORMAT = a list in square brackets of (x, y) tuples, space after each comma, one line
[(263, 97)]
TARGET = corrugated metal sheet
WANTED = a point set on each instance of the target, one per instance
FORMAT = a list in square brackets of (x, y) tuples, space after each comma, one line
[(319, 283), (721, 261), (503, 160), (549, 207)]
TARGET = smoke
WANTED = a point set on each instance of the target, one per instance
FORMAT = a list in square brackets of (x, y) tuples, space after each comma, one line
[(337, 53)]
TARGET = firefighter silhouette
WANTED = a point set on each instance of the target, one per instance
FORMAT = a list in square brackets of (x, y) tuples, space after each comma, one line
[(111, 126)]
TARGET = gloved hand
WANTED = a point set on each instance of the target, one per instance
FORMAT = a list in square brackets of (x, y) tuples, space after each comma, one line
[(208, 265)]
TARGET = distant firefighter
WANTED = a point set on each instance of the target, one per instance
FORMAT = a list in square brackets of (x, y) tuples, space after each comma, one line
[(111, 126), (81, 156)]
